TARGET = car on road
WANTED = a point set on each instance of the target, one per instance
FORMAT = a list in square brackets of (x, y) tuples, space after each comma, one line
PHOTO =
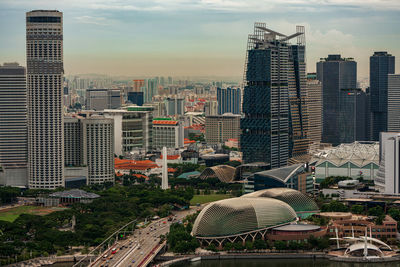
[(141, 252)]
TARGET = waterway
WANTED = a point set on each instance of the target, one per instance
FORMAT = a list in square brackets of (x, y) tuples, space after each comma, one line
[(280, 263)]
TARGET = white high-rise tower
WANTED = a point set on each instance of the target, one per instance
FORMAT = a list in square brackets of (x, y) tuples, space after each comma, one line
[(164, 180), (44, 56)]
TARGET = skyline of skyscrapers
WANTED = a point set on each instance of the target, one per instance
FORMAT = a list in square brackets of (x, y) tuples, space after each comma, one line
[(380, 65), (44, 57), (335, 73)]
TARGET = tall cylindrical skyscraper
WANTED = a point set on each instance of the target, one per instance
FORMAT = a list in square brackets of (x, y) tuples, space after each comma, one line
[(44, 56)]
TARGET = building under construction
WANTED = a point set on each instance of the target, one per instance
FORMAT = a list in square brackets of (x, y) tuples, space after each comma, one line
[(274, 127)]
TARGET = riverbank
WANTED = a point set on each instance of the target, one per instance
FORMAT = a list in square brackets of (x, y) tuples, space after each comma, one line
[(169, 260)]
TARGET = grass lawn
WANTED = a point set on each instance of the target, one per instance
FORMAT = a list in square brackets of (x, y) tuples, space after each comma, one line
[(12, 214), (201, 199)]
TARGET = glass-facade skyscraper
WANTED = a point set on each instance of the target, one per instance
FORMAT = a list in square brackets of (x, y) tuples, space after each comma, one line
[(229, 100), (335, 73), (273, 128), (380, 65)]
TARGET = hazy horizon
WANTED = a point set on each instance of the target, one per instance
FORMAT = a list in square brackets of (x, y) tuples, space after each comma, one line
[(200, 38)]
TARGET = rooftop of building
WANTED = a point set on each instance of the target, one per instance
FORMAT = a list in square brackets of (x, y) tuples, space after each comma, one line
[(283, 173), (297, 227), (165, 122), (358, 153)]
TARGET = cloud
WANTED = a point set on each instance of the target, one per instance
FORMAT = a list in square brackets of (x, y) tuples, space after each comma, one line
[(218, 5), (93, 20)]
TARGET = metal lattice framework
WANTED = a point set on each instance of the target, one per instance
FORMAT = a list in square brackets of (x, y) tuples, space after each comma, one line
[(360, 154), (230, 218), (224, 173), (302, 204)]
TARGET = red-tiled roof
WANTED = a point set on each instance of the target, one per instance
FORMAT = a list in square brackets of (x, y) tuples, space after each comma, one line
[(127, 164), (187, 141), (171, 157), (165, 122), (171, 170)]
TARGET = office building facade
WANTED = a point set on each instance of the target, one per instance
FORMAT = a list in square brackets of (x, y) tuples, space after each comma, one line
[(167, 133), (44, 56), (229, 100), (89, 148), (393, 94), (380, 64), (314, 109), (335, 73), (13, 126), (353, 113), (274, 70), (221, 128), (297, 85)]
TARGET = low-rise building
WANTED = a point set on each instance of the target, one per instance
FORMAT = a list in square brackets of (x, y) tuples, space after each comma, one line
[(167, 133), (347, 224)]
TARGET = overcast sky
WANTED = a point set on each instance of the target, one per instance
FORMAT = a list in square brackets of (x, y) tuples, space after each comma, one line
[(200, 37)]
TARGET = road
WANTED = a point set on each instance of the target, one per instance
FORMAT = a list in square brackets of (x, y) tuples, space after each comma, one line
[(138, 249)]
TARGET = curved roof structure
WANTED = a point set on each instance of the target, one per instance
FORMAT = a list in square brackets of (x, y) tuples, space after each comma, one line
[(302, 204), (360, 154), (236, 216), (282, 174), (224, 173), (358, 248)]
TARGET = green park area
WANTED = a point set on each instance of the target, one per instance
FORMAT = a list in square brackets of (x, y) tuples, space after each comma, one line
[(12, 214), (201, 199)]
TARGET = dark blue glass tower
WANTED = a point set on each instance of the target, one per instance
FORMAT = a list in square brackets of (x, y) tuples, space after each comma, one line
[(381, 64), (229, 100), (271, 105), (336, 74)]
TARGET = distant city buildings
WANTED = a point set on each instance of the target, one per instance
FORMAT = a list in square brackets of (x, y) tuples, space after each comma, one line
[(335, 73), (167, 133), (380, 65), (229, 100), (44, 56), (393, 103), (138, 85), (174, 106), (136, 98), (13, 125), (222, 128), (100, 99), (211, 108)]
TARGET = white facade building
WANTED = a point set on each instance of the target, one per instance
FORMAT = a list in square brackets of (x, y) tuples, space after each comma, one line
[(388, 178), (132, 128), (167, 133), (44, 57), (393, 103)]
